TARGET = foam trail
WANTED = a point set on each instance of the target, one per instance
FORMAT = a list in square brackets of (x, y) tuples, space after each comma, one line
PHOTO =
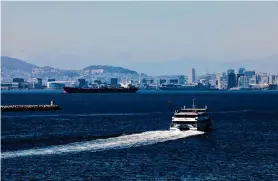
[(121, 142)]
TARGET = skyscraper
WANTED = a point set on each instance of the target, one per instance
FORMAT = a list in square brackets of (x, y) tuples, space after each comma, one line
[(219, 80), (237, 78), (241, 71), (243, 82), (181, 79), (191, 77), (231, 79), (271, 79), (114, 82), (250, 73), (81, 82)]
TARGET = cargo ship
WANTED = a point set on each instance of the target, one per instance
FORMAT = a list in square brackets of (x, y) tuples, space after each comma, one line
[(101, 90)]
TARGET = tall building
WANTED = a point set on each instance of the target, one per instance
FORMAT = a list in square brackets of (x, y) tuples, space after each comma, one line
[(249, 74), (230, 71), (219, 80), (35, 83), (81, 82), (237, 78), (114, 82), (191, 77), (231, 79), (241, 71), (181, 79), (243, 82), (272, 79), (253, 80), (20, 82)]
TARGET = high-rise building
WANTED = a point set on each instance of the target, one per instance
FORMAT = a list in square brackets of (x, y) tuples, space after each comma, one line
[(231, 79), (253, 80), (219, 80), (241, 71), (271, 79), (82, 82), (237, 78), (191, 77), (114, 82), (230, 71), (249, 74), (20, 82), (181, 79), (243, 82), (35, 83)]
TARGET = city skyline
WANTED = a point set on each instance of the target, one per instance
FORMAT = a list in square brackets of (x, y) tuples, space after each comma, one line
[(139, 35)]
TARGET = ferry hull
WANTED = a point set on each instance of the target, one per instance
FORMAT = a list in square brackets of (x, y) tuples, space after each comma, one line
[(99, 90), (204, 125)]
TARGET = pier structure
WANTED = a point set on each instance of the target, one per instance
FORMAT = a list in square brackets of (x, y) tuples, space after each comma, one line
[(10, 108)]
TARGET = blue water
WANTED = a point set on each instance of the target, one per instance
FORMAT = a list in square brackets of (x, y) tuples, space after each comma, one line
[(126, 137)]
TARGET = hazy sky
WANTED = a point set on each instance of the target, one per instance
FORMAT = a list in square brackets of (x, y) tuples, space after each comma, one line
[(78, 34)]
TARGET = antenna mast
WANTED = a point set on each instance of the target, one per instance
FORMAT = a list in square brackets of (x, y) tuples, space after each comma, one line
[(193, 106)]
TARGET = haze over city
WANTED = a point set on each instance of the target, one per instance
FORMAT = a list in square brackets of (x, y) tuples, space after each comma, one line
[(171, 36)]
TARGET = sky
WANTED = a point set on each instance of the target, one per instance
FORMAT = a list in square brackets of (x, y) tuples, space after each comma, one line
[(73, 35)]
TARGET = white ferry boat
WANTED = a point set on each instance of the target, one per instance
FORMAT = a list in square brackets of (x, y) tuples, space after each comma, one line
[(191, 119)]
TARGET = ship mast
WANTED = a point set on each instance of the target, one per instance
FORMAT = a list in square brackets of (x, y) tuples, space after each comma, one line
[(193, 105)]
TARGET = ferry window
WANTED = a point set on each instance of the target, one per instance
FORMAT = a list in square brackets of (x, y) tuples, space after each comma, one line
[(185, 116)]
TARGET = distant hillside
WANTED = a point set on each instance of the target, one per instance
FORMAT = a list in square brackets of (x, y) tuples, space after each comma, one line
[(16, 64), (110, 69), (12, 67)]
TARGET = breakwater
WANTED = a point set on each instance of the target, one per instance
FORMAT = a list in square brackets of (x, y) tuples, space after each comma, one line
[(10, 108)]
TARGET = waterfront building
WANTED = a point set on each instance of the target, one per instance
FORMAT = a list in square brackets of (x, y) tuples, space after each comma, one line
[(271, 79), (55, 85), (50, 80), (35, 83), (241, 71), (192, 76), (231, 79), (82, 82), (114, 82), (162, 81), (250, 73), (243, 82), (20, 81), (182, 79), (9, 85), (174, 81)]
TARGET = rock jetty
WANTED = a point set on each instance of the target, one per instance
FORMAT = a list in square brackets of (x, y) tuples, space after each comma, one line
[(10, 108)]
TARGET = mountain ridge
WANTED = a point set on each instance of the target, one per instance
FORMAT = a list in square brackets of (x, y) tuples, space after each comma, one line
[(18, 64), (11, 63), (14, 67)]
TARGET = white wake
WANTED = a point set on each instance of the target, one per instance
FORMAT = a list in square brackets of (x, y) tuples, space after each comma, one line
[(121, 142)]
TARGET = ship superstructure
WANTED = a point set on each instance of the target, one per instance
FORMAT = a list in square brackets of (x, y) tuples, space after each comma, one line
[(191, 118)]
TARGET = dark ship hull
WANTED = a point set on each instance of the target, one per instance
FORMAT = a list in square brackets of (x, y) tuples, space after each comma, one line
[(100, 90)]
